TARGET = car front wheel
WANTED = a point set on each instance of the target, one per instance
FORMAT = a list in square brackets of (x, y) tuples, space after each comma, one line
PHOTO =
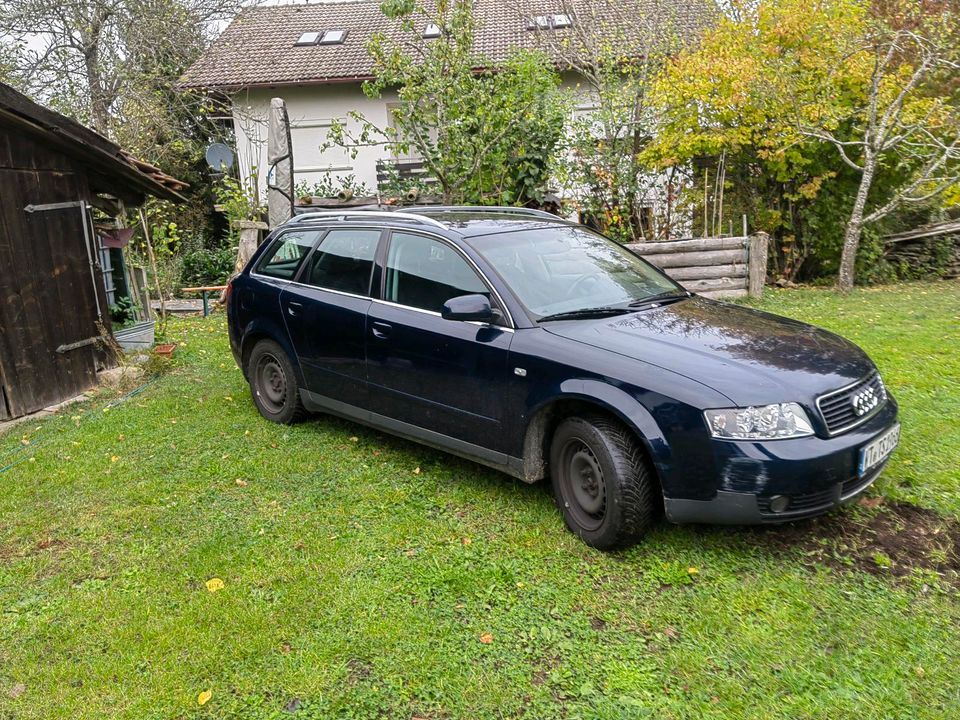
[(273, 384), (602, 481)]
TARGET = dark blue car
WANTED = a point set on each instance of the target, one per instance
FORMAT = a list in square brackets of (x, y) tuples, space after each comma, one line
[(540, 348)]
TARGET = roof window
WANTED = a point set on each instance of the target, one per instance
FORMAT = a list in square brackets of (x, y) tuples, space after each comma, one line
[(333, 37), (308, 38), (432, 30), (549, 22)]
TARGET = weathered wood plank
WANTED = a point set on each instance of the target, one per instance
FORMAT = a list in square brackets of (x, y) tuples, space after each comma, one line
[(695, 245), (722, 294), (714, 284), (757, 274), (693, 259), (702, 272)]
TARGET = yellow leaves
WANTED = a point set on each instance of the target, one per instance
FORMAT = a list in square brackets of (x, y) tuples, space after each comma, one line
[(214, 584), (241, 482), (114, 458), (204, 697), (486, 638), (693, 571)]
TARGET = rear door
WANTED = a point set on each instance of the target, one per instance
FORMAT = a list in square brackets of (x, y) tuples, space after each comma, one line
[(325, 309), (448, 377)]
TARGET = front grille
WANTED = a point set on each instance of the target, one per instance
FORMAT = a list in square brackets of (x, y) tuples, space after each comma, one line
[(839, 408)]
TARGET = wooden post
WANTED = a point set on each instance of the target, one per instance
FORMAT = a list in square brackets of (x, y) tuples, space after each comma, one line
[(757, 263), (249, 241), (153, 266)]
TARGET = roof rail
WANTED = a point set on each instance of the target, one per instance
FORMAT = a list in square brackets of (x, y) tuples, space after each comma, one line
[(343, 215), (422, 209)]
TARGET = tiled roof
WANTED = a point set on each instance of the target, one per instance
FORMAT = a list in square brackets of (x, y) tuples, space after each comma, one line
[(258, 47)]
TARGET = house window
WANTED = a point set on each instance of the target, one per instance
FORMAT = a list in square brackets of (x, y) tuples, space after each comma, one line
[(307, 38), (333, 37)]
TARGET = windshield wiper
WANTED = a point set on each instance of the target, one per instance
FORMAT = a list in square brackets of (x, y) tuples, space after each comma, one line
[(585, 313), (660, 297)]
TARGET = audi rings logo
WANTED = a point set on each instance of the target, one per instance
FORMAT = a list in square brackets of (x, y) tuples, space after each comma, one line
[(865, 401)]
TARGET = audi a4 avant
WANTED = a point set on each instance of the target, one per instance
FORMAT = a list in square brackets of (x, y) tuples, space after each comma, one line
[(538, 347)]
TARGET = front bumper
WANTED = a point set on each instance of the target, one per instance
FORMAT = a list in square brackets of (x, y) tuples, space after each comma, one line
[(815, 474)]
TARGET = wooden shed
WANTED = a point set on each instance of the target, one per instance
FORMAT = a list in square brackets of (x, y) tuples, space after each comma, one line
[(53, 301)]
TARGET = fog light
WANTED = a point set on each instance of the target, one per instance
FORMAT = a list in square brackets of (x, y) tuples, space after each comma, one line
[(779, 503)]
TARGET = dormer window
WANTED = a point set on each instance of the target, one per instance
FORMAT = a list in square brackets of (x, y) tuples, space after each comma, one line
[(432, 30), (556, 21), (333, 37), (308, 38)]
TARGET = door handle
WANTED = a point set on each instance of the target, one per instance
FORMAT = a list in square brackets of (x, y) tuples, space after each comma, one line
[(294, 308), (381, 330)]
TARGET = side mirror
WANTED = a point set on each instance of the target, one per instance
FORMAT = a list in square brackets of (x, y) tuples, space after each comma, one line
[(468, 307)]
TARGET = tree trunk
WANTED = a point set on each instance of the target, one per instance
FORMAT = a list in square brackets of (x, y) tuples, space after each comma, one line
[(99, 103), (851, 238)]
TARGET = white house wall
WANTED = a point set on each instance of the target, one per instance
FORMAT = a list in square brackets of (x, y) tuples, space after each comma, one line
[(312, 110)]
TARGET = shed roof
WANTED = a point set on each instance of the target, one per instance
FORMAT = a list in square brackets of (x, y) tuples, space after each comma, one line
[(259, 47), (112, 170)]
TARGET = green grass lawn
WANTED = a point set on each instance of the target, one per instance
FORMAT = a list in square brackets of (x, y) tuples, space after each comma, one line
[(367, 577)]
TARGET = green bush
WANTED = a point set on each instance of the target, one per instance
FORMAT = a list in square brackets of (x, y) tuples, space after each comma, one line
[(207, 266)]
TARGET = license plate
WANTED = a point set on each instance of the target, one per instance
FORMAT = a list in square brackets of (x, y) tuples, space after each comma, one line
[(876, 452)]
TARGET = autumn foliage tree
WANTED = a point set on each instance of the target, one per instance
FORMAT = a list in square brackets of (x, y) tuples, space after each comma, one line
[(830, 94)]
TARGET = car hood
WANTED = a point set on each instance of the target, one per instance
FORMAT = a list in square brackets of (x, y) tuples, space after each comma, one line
[(752, 357)]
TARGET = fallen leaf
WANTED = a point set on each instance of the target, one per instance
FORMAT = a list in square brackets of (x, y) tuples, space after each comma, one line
[(24, 441), (204, 697), (416, 470), (293, 705), (241, 482), (871, 503), (919, 670), (692, 570), (17, 690), (285, 648), (466, 541), (214, 584), (486, 638), (671, 632), (354, 439), (228, 398), (114, 458)]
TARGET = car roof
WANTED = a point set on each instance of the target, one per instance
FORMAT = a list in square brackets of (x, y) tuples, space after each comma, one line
[(467, 221)]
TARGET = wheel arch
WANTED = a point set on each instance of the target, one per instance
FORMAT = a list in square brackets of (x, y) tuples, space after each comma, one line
[(583, 397), (257, 331)]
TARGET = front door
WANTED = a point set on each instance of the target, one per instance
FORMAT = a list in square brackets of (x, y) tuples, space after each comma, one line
[(445, 376), (326, 314)]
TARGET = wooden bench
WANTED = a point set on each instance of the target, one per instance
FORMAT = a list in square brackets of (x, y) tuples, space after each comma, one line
[(205, 294)]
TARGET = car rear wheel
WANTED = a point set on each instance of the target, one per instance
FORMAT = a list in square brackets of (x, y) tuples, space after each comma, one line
[(273, 384), (602, 481)]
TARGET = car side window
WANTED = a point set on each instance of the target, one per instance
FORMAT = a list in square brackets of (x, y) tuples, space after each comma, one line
[(344, 261), (424, 273), (284, 258)]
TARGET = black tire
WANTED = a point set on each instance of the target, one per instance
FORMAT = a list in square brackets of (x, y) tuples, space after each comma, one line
[(602, 481), (273, 384)]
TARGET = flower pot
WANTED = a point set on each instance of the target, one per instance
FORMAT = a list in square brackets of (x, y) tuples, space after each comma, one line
[(165, 349)]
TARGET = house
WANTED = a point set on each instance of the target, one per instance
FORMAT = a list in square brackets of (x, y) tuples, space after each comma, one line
[(315, 58), (59, 274)]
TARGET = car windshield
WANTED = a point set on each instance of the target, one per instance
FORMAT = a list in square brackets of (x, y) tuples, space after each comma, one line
[(566, 269)]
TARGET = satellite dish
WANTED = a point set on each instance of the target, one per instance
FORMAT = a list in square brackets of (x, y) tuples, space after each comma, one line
[(219, 157)]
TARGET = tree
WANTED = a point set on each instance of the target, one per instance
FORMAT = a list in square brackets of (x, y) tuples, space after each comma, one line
[(616, 51), (94, 54), (906, 117), (485, 133), (834, 102)]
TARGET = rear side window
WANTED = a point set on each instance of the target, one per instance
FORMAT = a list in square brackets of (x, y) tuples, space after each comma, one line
[(284, 258), (425, 273), (344, 261)]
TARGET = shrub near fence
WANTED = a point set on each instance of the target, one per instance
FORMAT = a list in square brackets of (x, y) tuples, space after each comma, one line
[(714, 267)]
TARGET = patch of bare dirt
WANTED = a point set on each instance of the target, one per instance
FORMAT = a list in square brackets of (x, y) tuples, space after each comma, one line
[(886, 538)]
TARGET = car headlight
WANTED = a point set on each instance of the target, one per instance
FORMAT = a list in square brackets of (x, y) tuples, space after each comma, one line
[(766, 422)]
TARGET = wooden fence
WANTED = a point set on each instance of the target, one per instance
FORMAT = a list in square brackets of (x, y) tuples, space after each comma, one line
[(714, 267)]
